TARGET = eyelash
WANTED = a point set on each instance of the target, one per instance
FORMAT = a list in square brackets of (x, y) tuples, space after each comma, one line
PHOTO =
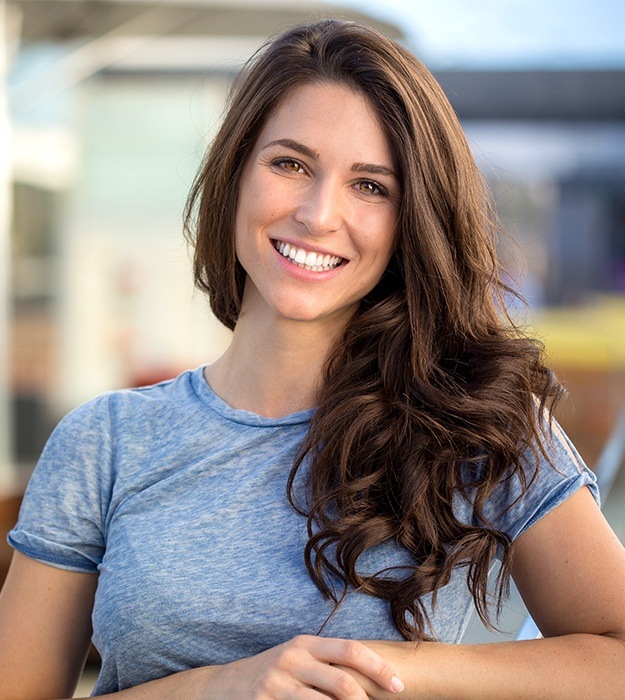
[(380, 191), (281, 162)]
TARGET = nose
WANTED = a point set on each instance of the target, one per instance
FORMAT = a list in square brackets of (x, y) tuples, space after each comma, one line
[(321, 208)]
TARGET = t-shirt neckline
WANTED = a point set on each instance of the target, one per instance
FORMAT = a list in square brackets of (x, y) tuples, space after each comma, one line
[(205, 393)]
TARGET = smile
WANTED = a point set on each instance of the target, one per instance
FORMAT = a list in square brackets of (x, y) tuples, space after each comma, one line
[(308, 260)]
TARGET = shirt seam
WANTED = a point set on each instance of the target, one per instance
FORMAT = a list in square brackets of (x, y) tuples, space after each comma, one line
[(49, 558)]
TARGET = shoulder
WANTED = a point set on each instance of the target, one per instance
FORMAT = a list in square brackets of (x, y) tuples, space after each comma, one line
[(547, 474), (96, 452), (124, 408), (91, 438), (550, 473)]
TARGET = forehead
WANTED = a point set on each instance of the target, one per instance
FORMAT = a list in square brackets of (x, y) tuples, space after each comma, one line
[(330, 116)]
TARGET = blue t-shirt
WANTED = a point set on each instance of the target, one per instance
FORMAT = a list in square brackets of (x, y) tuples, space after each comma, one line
[(178, 502)]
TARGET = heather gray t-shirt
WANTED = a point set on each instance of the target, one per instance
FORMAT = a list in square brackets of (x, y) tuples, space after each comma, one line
[(178, 502)]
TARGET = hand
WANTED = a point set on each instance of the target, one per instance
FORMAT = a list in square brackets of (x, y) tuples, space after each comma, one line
[(402, 655), (304, 668)]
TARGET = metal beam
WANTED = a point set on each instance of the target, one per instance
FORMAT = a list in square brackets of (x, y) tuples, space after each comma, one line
[(68, 20), (583, 95)]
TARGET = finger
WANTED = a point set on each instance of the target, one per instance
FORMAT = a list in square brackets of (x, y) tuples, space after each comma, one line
[(356, 655), (312, 694), (365, 683), (338, 684)]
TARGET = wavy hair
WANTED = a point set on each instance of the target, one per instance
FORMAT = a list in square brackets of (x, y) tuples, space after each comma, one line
[(430, 376)]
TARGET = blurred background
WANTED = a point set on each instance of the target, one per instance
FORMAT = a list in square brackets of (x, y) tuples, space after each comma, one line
[(106, 107)]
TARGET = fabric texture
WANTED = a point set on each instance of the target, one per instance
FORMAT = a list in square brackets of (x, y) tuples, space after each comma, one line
[(178, 503)]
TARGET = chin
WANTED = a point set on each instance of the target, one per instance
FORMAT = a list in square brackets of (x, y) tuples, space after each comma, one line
[(303, 314), (299, 315)]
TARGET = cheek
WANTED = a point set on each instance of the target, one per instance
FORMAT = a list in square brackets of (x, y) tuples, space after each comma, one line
[(247, 216), (240, 230), (260, 204), (384, 236), (272, 201), (392, 232), (243, 234)]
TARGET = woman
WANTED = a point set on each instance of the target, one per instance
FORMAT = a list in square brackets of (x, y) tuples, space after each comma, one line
[(289, 521)]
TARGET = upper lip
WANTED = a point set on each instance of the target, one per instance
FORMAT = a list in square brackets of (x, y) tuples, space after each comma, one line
[(308, 247)]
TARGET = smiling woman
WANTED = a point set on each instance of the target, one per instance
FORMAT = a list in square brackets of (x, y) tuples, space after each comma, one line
[(316, 513), (307, 185)]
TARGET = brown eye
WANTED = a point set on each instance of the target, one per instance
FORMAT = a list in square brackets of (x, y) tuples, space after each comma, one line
[(370, 187), (291, 166)]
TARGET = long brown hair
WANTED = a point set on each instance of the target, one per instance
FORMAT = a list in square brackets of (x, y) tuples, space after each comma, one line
[(430, 376)]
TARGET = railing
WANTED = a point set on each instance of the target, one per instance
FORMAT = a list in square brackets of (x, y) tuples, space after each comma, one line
[(610, 462)]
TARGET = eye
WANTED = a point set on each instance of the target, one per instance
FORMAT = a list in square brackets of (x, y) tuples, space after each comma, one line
[(371, 187), (289, 165)]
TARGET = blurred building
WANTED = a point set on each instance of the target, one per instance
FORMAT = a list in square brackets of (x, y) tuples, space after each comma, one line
[(552, 145), (112, 103)]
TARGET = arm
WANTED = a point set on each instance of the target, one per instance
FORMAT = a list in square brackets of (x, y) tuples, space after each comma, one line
[(44, 637), (304, 668), (570, 570), (43, 609)]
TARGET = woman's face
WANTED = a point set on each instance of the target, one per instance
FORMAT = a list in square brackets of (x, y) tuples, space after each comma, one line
[(318, 206)]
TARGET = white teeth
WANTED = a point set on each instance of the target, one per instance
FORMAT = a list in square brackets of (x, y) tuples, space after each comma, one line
[(307, 260)]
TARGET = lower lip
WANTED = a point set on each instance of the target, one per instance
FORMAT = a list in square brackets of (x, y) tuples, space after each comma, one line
[(306, 275)]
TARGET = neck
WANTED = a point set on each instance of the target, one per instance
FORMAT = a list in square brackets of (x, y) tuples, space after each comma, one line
[(272, 368)]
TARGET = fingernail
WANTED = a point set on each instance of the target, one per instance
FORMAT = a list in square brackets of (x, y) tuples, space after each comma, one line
[(396, 685)]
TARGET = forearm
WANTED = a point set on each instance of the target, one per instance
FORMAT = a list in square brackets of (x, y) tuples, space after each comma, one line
[(568, 667), (185, 685), (290, 669)]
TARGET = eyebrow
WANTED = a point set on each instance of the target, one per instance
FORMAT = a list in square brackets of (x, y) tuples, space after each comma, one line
[(374, 169), (294, 146), (308, 152)]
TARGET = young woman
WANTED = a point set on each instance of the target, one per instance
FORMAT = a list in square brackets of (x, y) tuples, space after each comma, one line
[(316, 514)]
